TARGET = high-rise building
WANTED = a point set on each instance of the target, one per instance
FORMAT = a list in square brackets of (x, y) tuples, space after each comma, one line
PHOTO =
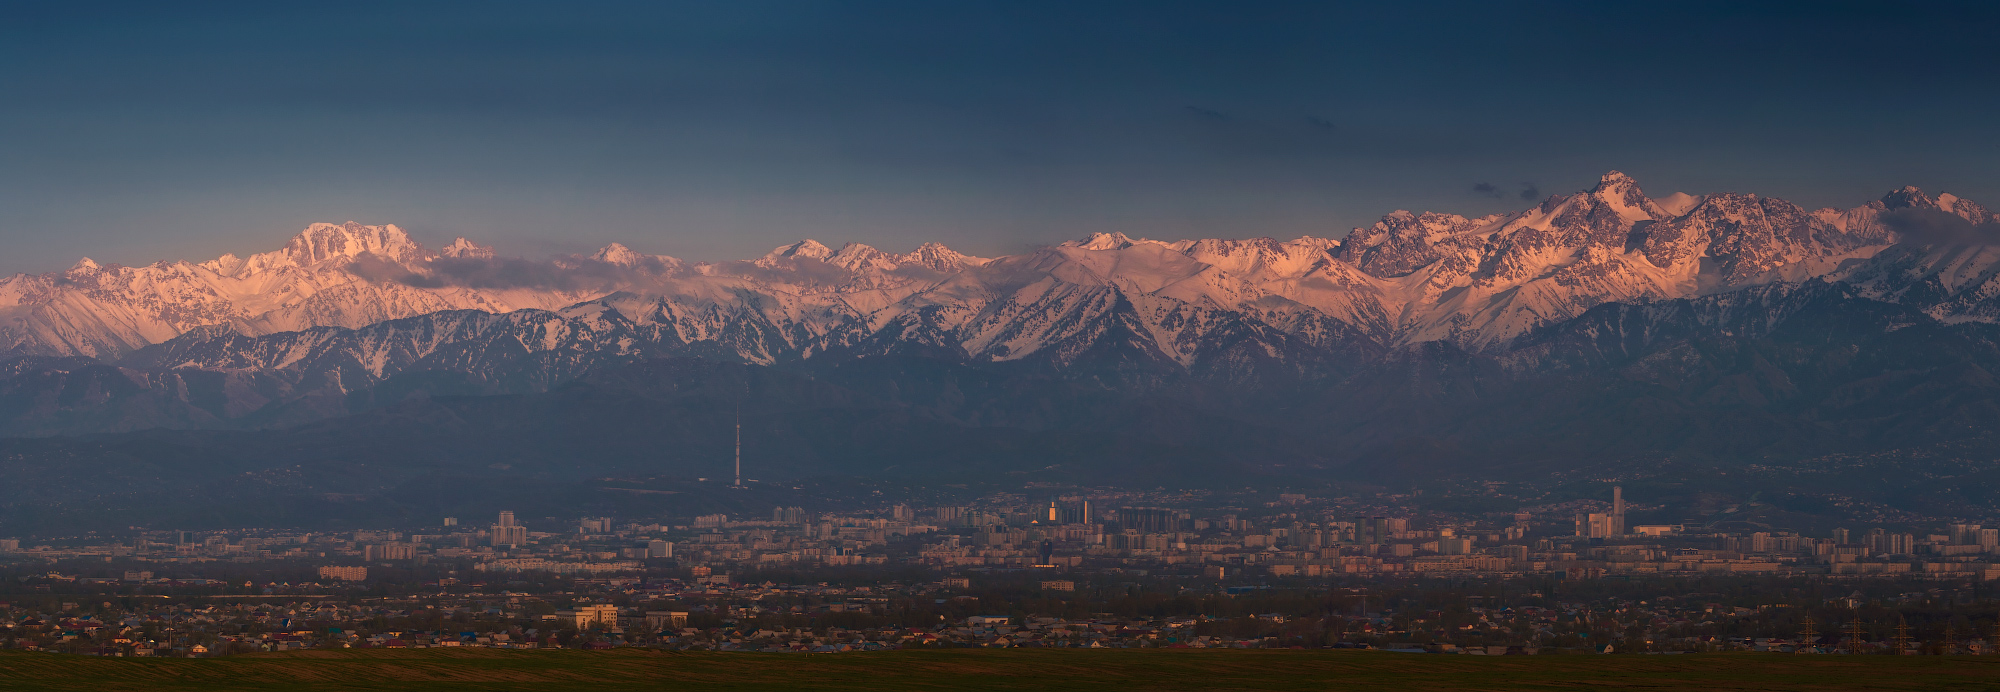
[(451, 521), (1760, 542), (1788, 542), (1840, 536), (506, 533), (1594, 525), (660, 549), (1341, 532), (388, 551), (1880, 542), (1372, 530), (1617, 510), (1964, 534), (1151, 520), (1076, 511), (1902, 544)]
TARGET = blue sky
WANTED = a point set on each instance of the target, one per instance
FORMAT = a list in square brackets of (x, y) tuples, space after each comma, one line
[(135, 132)]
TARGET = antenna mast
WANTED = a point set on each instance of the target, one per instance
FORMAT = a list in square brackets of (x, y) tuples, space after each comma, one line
[(739, 444)]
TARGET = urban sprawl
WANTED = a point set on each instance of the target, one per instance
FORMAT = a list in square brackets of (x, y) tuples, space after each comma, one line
[(1086, 570)]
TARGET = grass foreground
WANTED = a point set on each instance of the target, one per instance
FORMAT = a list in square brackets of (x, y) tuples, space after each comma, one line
[(977, 669)]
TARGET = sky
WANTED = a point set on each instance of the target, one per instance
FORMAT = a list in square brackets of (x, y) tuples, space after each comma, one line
[(136, 132)]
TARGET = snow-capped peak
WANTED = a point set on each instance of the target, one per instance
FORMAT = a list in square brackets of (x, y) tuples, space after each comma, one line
[(808, 248), (1907, 197), (617, 253), (1965, 208), (1614, 179), (1102, 241), (858, 257), (345, 241), (939, 257), (1621, 194), (466, 249), (1678, 203), (84, 265), (227, 264)]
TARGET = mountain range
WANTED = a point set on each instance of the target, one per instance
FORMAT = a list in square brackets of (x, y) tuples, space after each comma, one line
[(345, 306), (1598, 335)]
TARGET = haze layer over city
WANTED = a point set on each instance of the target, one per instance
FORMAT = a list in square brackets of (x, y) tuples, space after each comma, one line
[(766, 330)]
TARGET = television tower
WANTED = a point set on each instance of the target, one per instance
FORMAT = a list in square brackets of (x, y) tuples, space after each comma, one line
[(739, 444)]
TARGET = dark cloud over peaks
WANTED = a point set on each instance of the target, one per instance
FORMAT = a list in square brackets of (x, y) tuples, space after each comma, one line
[(1529, 191), (1932, 226)]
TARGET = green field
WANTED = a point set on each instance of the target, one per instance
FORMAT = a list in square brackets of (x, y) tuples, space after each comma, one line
[(972, 669)]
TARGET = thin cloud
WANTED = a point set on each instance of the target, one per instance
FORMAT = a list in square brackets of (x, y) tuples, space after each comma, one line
[(786, 269), (562, 274), (1939, 227), (1529, 191)]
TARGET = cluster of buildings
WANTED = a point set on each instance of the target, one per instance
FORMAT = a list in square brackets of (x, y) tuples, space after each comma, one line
[(1289, 539), (1293, 537), (737, 617), (695, 615)]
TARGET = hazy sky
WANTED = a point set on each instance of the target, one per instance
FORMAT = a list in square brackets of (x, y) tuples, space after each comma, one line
[(137, 132)]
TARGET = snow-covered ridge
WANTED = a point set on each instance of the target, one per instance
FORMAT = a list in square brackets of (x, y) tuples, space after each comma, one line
[(1410, 277), (352, 275)]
